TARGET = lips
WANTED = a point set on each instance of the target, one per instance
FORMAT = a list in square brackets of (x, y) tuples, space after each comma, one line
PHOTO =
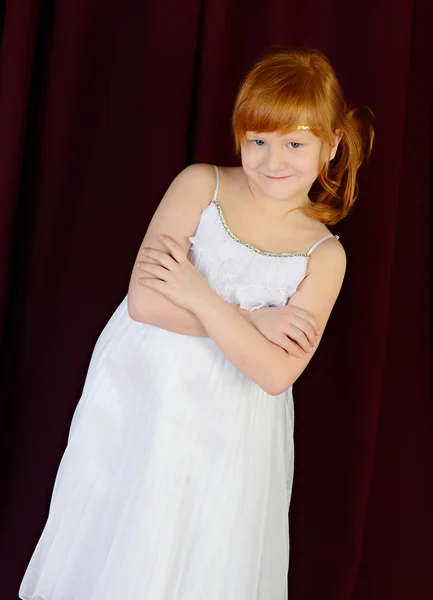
[(277, 178)]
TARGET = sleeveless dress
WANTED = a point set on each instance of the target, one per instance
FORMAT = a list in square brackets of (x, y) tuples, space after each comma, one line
[(177, 476)]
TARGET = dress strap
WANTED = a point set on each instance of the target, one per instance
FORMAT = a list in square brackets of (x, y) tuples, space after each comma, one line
[(217, 184), (320, 241)]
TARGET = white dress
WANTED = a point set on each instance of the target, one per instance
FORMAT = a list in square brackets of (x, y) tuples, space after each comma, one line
[(176, 480)]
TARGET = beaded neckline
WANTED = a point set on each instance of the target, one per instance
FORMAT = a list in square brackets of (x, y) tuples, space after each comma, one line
[(249, 246)]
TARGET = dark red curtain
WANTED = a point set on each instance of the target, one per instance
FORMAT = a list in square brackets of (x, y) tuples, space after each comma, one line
[(102, 103)]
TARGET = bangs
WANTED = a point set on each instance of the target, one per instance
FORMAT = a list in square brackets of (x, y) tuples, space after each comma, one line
[(275, 99), (266, 115)]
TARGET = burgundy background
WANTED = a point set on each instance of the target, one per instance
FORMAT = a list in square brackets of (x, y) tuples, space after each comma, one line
[(102, 103)]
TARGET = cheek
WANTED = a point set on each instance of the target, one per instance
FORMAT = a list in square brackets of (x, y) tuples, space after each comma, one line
[(310, 165), (251, 159)]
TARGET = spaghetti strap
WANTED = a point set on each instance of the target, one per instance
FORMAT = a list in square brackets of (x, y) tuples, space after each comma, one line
[(217, 184), (320, 241)]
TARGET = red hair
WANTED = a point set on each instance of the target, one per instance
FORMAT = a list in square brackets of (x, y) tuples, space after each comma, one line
[(287, 88)]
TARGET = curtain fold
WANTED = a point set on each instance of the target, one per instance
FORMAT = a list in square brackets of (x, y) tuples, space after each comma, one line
[(101, 104)]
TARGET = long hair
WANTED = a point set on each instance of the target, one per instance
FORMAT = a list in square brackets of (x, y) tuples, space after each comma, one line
[(290, 87)]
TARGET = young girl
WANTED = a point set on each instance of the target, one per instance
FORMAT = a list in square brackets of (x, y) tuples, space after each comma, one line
[(176, 480)]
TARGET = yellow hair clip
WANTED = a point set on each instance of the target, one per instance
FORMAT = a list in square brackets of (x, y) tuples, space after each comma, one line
[(303, 127)]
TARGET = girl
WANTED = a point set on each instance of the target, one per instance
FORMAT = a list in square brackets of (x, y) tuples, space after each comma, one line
[(177, 477)]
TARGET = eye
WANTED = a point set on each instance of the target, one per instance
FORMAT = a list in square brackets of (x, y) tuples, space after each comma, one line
[(259, 143), (297, 144)]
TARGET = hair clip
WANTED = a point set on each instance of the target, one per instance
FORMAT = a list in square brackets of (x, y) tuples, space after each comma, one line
[(303, 127)]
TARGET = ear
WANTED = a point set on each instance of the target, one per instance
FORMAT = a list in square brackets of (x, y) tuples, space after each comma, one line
[(338, 134)]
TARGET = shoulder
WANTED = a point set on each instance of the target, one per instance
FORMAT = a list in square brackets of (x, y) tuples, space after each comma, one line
[(326, 271), (205, 172), (327, 263), (330, 253), (199, 180), (199, 171), (198, 174)]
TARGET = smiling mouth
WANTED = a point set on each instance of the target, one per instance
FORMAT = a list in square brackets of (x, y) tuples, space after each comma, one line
[(271, 177)]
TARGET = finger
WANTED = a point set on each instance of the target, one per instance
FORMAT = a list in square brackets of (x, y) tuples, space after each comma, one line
[(292, 348), (299, 337), (176, 250), (156, 270), (156, 284), (158, 256), (304, 314), (141, 264), (306, 328)]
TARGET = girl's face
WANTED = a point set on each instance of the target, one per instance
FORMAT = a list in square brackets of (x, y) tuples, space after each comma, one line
[(283, 166)]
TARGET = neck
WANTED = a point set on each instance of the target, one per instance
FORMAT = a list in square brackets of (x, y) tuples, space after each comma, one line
[(278, 208)]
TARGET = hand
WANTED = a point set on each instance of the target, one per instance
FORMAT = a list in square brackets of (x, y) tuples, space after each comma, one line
[(290, 327), (173, 275)]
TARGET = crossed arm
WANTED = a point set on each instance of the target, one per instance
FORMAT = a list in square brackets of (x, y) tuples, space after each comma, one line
[(179, 299), (266, 363)]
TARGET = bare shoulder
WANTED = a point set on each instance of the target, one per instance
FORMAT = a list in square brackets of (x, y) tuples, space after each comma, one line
[(329, 254), (199, 178), (328, 263), (199, 171)]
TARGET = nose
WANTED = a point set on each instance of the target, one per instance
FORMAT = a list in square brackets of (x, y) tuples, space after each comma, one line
[(276, 161)]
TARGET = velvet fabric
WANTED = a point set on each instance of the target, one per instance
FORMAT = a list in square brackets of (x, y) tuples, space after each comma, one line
[(102, 103)]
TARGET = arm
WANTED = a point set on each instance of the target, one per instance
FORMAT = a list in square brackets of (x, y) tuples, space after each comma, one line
[(177, 215), (245, 347), (174, 318), (264, 362), (290, 327)]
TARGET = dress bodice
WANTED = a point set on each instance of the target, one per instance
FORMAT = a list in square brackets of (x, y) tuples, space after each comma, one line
[(239, 272)]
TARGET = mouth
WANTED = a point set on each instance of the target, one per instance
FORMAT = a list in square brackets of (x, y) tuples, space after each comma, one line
[(277, 178)]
